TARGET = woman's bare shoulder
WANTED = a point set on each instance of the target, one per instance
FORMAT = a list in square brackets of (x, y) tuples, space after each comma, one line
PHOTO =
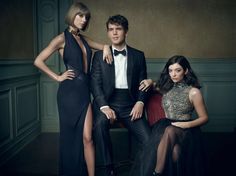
[(194, 92), (58, 41)]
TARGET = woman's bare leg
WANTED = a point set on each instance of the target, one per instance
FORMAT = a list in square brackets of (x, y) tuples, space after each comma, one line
[(89, 152)]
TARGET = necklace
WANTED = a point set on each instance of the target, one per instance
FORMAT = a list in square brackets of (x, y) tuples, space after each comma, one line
[(76, 33)]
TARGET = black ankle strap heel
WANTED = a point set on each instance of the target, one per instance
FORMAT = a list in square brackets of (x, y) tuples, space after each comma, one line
[(156, 174)]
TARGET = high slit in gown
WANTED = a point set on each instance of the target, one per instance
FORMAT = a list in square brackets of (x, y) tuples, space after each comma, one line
[(73, 98)]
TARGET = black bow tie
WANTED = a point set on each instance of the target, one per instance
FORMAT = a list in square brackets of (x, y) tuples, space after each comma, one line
[(123, 52)]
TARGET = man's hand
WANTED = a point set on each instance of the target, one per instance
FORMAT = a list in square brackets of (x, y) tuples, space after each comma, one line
[(110, 114), (137, 111), (145, 84)]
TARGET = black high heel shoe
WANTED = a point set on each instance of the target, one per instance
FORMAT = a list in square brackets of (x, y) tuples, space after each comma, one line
[(156, 174)]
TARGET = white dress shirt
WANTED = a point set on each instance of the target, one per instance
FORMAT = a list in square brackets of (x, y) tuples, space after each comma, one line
[(120, 62)]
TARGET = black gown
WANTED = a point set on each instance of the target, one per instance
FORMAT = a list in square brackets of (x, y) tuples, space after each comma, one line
[(192, 160), (73, 98)]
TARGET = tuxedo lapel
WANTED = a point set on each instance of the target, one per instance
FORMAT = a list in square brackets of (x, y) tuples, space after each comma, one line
[(130, 63)]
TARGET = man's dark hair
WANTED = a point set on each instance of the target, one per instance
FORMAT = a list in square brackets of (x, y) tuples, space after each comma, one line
[(118, 20)]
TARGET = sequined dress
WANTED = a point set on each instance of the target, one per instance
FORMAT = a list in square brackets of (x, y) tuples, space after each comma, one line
[(192, 161)]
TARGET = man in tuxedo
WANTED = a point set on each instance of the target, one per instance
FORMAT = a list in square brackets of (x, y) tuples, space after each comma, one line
[(115, 88)]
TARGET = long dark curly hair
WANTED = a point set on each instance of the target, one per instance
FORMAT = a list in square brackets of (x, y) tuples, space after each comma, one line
[(164, 84)]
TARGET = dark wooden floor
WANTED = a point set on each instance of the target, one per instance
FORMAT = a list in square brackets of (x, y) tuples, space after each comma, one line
[(40, 157), (37, 158), (221, 150)]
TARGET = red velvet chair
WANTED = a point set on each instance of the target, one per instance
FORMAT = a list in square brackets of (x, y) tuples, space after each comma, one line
[(154, 108)]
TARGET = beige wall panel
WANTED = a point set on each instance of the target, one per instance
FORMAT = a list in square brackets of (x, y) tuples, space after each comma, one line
[(161, 28)]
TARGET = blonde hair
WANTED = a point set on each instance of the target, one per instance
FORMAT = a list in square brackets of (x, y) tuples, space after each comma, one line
[(77, 8)]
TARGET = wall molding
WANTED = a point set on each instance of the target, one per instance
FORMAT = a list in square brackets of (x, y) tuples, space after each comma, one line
[(20, 106), (217, 76)]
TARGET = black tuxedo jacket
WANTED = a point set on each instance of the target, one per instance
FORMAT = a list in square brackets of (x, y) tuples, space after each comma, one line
[(103, 76)]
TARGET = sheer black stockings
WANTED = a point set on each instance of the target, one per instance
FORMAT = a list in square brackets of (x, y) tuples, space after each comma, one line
[(169, 145)]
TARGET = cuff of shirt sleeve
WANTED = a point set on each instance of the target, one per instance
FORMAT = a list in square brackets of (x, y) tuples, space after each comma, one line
[(104, 107), (140, 102)]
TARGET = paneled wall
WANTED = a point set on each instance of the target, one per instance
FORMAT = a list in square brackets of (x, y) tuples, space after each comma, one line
[(19, 106), (17, 31), (218, 82), (47, 28), (216, 74), (202, 30), (50, 23), (161, 28), (19, 79)]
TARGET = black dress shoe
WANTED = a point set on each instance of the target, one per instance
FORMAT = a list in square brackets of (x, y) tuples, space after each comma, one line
[(112, 173)]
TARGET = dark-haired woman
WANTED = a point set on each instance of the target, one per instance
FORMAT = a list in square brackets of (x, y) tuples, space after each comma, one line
[(175, 147), (73, 97)]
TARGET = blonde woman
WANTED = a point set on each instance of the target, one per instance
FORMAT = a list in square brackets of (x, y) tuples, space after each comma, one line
[(73, 97)]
